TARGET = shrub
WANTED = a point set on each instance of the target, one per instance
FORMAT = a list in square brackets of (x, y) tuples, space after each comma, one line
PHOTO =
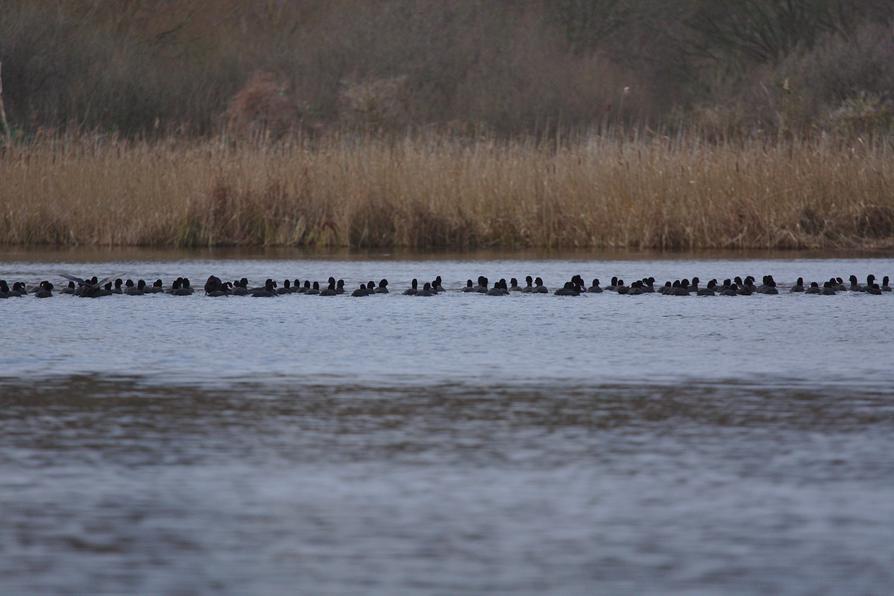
[(865, 114), (375, 104), (264, 106)]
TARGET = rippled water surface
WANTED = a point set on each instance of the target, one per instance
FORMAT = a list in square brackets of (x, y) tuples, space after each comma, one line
[(459, 443)]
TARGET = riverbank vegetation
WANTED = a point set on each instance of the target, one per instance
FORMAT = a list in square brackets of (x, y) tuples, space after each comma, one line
[(514, 68), (421, 192), (470, 123)]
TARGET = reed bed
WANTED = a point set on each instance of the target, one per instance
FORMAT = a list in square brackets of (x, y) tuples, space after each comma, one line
[(427, 192)]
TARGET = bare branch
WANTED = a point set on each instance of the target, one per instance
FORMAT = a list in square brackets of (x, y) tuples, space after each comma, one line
[(3, 121)]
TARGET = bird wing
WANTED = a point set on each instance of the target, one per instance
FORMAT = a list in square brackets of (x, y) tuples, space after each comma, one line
[(106, 280), (73, 278), (100, 283)]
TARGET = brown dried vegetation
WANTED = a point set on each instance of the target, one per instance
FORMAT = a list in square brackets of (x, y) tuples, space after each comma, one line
[(437, 191)]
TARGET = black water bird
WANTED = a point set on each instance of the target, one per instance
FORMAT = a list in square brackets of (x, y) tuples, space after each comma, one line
[(499, 289), (539, 288), (383, 287), (181, 287), (568, 289), (240, 287), (222, 289), (95, 288), (768, 286), (215, 288), (44, 290), (529, 285), (330, 290), (212, 284), (680, 288), (90, 288), (286, 288), (594, 287), (482, 285), (131, 289), (413, 289), (268, 291), (728, 289), (710, 290)]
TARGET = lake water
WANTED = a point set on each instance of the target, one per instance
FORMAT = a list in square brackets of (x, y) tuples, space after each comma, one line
[(459, 443)]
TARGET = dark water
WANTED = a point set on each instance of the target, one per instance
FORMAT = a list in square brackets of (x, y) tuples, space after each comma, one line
[(457, 444)]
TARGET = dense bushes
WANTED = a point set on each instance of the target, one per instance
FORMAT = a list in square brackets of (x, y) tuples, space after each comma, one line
[(149, 67)]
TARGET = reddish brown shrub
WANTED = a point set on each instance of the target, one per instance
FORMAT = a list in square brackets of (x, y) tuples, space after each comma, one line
[(264, 106)]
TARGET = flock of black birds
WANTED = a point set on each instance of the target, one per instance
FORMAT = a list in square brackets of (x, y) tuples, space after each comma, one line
[(215, 287)]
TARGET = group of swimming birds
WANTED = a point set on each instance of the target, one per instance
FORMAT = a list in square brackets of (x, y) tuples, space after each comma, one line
[(215, 287)]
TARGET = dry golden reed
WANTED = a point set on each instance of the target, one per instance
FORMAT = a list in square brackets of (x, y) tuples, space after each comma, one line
[(422, 192)]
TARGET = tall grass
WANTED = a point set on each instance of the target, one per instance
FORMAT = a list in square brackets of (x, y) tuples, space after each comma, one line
[(438, 191)]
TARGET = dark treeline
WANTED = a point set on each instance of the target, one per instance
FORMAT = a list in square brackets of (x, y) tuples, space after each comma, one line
[(725, 67)]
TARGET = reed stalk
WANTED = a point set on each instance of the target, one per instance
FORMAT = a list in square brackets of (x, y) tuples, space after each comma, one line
[(437, 191)]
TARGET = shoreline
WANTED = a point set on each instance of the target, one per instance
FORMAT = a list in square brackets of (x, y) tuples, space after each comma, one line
[(102, 254)]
